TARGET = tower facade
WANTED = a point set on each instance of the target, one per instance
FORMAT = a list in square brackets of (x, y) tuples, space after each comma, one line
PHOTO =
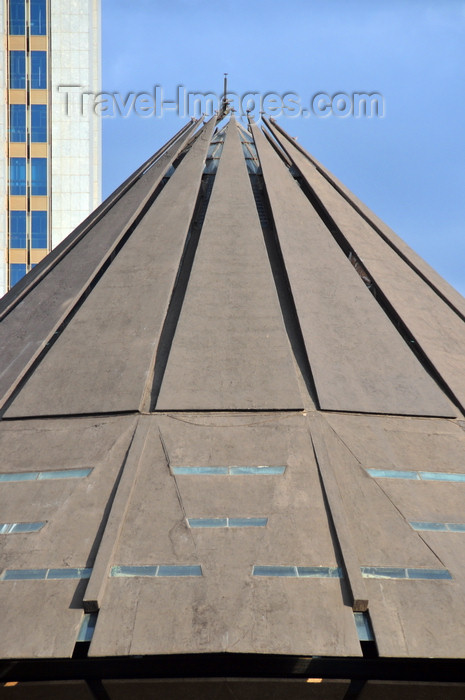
[(50, 161), (232, 428)]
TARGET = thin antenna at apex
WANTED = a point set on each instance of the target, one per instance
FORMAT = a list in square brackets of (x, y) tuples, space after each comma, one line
[(225, 103)]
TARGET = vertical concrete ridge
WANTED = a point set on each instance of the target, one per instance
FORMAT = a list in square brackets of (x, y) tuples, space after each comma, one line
[(74, 268), (427, 273), (100, 360), (17, 293), (344, 330), (230, 348)]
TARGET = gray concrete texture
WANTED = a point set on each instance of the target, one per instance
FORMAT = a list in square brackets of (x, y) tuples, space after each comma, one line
[(134, 389)]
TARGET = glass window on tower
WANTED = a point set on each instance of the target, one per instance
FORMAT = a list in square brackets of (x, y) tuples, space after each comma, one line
[(39, 229), (18, 123), (38, 123), (18, 176), (17, 16), (17, 270), (38, 17), (38, 176), (38, 70), (17, 229), (18, 70)]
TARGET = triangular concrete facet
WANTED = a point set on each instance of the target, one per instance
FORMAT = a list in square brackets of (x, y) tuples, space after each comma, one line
[(230, 349)]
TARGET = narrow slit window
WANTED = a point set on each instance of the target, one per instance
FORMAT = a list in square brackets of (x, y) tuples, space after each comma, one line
[(364, 628), (39, 476), (45, 574), (438, 527), (16, 528), (156, 571), (390, 572), (298, 571), (227, 522), (229, 471), (87, 629), (416, 475)]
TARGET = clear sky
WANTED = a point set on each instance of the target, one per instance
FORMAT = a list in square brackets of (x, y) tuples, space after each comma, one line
[(408, 166)]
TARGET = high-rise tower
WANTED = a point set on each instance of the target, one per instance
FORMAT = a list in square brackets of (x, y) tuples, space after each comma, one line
[(50, 162), (232, 439)]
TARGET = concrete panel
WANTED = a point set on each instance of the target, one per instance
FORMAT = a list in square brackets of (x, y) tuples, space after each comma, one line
[(116, 517), (418, 618), (227, 609), (436, 327), (403, 443), (414, 260), (297, 528), (227, 439), (322, 440), (230, 349), (426, 501), (103, 359), (224, 611), (381, 536), (410, 444), (359, 361), (59, 443), (450, 548), (52, 609), (73, 509), (26, 329), (66, 690), (391, 690), (410, 618), (226, 689)]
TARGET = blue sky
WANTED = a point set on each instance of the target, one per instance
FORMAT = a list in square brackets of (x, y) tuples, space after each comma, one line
[(408, 166)]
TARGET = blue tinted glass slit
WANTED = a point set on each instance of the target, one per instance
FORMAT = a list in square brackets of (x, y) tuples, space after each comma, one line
[(227, 522), (33, 476), (425, 476), (179, 570), (17, 528), (160, 571), (363, 625), (287, 571), (45, 574), (233, 471), (87, 629), (388, 572), (24, 574), (62, 574)]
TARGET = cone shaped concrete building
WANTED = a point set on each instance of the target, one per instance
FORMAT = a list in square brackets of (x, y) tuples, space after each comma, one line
[(232, 443)]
